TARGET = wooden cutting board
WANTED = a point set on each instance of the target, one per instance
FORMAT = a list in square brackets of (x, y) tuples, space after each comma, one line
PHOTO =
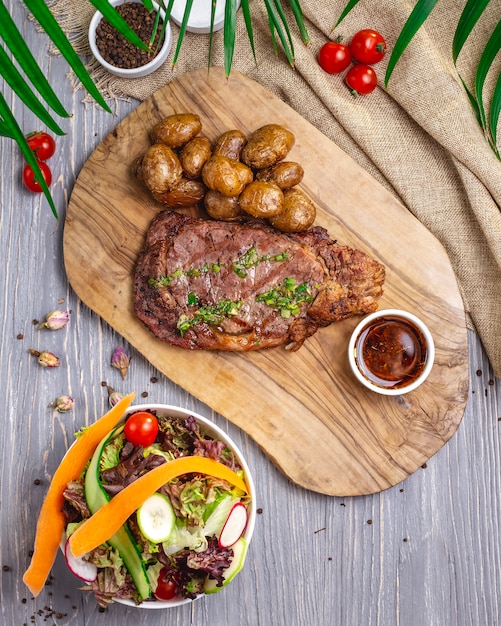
[(305, 409)]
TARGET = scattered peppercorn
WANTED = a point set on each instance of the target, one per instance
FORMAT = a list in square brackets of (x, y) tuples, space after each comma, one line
[(154, 379), (144, 394), (37, 481), (6, 568), (259, 511), (369, 521), (20, 336), (479, 372)]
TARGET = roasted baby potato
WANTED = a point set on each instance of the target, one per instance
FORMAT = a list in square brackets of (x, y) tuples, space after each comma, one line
[(225, 175), (160, 168), (176, 130), (230, 144), (267, 146), (221, 207), (286, 174), (262, 199), (298, 212), (193, 156), (186, 193)]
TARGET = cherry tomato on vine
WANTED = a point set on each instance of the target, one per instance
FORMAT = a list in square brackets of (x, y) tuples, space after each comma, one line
[(368, 46), (31, 182), (42, 144), (361, 79), (141, 429), (166, 588), (334, 57)]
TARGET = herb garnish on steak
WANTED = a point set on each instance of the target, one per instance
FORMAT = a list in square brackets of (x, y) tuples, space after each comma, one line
[(212, 285)]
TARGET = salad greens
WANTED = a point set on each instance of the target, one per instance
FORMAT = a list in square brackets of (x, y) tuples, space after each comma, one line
[(191, 556)]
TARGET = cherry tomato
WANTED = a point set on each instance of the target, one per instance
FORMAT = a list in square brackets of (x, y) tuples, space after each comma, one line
[(334, 57), (166, 588), (29, 177), (361, 79), (42, 144), (368, 46), (141, 429)]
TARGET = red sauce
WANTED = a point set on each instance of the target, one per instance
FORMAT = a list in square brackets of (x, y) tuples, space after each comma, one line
[(391, 352)]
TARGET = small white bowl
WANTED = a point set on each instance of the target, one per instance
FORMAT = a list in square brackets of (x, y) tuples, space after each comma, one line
[(212, 430), (200, 14), (401, 351), (136, 72)]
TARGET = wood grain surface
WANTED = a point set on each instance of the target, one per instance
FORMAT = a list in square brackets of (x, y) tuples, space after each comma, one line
[(305, 409)]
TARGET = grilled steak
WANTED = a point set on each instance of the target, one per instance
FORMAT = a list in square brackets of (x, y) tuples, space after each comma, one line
[(212, 285)]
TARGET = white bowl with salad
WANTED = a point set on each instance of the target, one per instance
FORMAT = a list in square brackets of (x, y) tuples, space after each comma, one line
[(186, 537)]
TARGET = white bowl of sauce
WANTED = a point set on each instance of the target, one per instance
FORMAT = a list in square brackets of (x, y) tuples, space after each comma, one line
[(391, 352)]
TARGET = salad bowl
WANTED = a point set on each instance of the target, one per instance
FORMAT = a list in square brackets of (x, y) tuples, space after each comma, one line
[(213, 522)]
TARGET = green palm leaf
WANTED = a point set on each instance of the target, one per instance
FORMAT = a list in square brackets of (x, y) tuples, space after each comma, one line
[(12, 129), (298, 14), (52, 28), (346, 10), (278, 25), (248, 25), (20, 51), (112, 16), (414, 22), (491, 49), (473, 102), (230, 22), (469, 17), (182, 30), (495, 110), (13, 77)]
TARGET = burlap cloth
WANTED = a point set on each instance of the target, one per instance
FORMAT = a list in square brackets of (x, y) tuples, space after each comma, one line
[(419, 138)]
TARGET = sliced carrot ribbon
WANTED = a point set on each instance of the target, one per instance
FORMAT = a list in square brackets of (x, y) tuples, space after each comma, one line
[(98, 528), (51, 521)]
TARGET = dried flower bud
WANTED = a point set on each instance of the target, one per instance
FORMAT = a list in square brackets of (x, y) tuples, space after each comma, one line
[(46, 359), (55, 320), (121, 361), (63, 404), (113, 396)]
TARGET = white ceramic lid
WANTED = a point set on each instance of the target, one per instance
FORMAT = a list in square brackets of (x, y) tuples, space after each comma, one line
[(200, 15)]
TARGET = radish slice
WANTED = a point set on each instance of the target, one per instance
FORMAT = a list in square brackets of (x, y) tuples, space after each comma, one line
[(234, 526), (83, 569)]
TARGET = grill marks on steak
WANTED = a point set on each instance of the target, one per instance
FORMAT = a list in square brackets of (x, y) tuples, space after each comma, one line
[(198, 257)]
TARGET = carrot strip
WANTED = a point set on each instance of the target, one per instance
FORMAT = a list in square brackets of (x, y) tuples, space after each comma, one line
[(98, 528), (51, 521)]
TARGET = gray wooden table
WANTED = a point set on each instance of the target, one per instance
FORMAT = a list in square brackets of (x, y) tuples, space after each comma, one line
[(423, 553)]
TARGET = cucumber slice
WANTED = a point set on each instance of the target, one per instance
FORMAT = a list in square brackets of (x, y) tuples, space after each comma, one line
[(156, 518), (239, 554), (122, 540)]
